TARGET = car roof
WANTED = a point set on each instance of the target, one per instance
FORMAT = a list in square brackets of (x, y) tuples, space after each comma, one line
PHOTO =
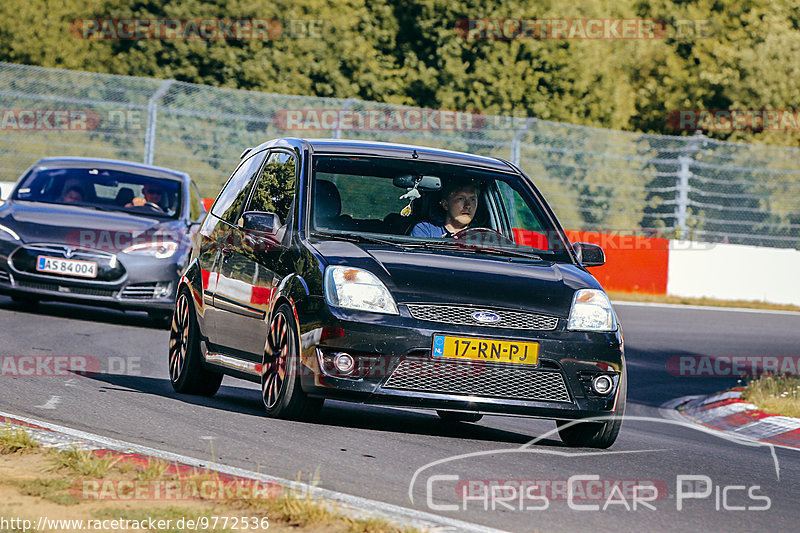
[(118, 164), (384, 149)]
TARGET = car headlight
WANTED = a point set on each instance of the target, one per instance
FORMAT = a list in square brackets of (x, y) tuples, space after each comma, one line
[(158, 249), (591, 311), (8, 231), (355, 288)]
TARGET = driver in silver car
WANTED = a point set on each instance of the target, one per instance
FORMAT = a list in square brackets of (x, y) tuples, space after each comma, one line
[(153, 194), (459, 201)]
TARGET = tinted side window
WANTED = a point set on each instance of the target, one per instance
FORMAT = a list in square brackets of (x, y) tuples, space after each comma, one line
[(232, 198), (275, 190), (521, 216)]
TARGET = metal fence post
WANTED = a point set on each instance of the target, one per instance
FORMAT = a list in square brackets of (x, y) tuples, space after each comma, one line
[(337, 133), (682, 199), (152, 110), (683, 188), (517, 140)]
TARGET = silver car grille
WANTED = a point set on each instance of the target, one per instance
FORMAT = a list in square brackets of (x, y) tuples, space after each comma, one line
[(453, 314), (139, 291), (71, 252), (64, 289), (5, 277), (492, 381)]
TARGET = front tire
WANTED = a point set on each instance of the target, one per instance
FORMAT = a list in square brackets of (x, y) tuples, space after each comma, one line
[(281, 391), (596, 434), (186, 371)]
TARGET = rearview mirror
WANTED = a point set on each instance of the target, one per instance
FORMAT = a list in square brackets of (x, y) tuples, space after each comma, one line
[(426, 183), (260, 221), (590, 255)]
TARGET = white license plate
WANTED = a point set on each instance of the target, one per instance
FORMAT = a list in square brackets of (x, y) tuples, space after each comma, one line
[(66, 267)]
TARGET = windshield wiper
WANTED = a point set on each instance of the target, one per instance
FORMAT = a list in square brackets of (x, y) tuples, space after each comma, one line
[(471, 248), (355, 237)]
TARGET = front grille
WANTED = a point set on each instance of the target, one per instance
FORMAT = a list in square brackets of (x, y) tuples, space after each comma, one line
[(5, 277), (140, 291), (62, 250), (492, 381), (24, 259), (61, 289), (453, 314)]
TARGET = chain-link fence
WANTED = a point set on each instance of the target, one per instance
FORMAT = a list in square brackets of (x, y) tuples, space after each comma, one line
[(595, 179)]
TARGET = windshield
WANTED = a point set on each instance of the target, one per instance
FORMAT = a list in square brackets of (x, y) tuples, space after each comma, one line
[(102, 188), (431, 205)]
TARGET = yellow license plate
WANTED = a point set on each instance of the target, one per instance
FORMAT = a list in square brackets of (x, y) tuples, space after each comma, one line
[(525, 353)]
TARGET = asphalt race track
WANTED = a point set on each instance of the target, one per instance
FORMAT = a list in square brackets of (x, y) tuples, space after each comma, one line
[(377, 452)]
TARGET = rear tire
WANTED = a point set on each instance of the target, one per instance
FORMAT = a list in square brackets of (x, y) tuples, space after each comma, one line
[(453, 416), (596, 434), (281, 391), (186, 371)]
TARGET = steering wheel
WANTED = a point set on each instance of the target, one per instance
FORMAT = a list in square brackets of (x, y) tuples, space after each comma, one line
[(154, 206), (485, 236)]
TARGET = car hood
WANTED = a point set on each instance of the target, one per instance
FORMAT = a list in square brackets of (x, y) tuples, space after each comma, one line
[(434, 276), (79, 226)]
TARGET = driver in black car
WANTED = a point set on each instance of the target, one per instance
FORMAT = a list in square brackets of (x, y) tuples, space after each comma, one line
[(459, 201), (153, 194)]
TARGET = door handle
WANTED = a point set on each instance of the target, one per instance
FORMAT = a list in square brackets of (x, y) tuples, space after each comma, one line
[(227, 253)]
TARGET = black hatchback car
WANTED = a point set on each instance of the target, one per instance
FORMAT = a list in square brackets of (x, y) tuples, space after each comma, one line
[(397, 275), (100, 232)]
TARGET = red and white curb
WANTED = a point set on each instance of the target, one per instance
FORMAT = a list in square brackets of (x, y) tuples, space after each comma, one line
[(728, 412), (55, 436)]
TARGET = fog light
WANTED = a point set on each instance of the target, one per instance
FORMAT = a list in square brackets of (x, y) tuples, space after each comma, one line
[(162, 290), (602, 384), (344, 362)]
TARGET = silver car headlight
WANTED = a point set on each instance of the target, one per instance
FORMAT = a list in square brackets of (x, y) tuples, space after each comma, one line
[(158, 249), (358, 289), (591, 311)]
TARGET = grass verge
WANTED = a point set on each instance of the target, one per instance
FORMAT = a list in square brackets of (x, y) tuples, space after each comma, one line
[(15, 439), (709, 302), (777, 395), (80, 484)]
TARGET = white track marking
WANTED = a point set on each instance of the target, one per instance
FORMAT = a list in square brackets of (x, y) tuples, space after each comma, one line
[(52, 403), (624, 303)]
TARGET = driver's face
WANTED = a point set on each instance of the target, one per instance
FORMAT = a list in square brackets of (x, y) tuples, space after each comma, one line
[(152, 194), (460, 206)]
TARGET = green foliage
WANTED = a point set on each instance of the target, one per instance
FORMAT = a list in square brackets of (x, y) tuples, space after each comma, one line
[(741, 55)]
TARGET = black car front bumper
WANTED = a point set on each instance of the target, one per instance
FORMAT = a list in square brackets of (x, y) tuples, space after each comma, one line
[(394, 366)]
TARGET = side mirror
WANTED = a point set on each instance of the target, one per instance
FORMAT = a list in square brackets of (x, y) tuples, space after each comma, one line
[(590, 255), (260, 221)]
